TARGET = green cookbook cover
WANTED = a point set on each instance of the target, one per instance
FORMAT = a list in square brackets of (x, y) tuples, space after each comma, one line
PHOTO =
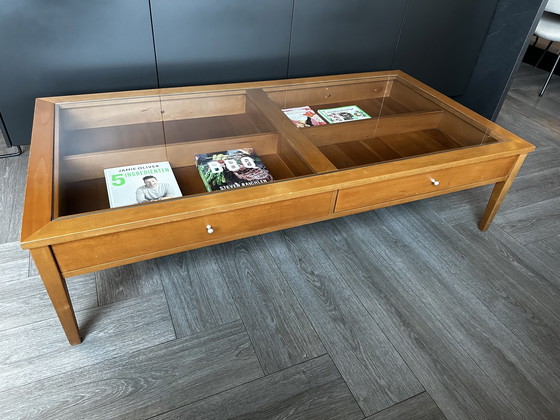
[(231, 169)]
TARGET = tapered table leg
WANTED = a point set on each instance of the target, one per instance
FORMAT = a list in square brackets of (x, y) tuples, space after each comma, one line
[(499, 194), (56, 288)]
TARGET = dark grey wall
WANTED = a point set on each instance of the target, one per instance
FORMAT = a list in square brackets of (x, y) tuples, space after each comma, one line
[(512, 26), (65, 47), (216, 41), (350, 36), (441, 47)]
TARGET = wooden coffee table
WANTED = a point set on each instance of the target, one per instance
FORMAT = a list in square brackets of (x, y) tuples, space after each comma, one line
[(417, 144)]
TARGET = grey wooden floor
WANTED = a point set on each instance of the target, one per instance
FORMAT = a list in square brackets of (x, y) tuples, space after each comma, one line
[(402, 313)]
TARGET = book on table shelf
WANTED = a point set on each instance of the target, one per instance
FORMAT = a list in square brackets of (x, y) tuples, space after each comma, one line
[(303, 116), (138, 184), (231, 169), (343, 114)]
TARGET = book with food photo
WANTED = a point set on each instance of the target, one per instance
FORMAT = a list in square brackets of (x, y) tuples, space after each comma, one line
[(231, 169)]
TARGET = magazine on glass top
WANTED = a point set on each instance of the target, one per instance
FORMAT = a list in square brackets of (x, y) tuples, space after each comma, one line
[(303, 116), (343, 114)]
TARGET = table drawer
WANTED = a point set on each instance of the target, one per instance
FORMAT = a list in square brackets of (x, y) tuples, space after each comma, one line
[(428, 183), (188, 233)]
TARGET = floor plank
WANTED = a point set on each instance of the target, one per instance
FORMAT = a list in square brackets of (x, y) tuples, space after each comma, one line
[(533, 222), (420, 406), (128, 281), (523, 97), (541, 110), (143, 383), (310, 390), (533, 385), (197, 291), (504, 284), (539, 128), (279, 329), (548, 251), (521, 272), (20, 293), (13, 270), (10, 252), (13, 174), (375, 372), (463, 206), (39, 351), (460, 387), (543, 161), (528, 190)]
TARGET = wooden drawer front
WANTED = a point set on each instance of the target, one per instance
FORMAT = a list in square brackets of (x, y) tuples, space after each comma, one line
[(186, 233), (422, 184)]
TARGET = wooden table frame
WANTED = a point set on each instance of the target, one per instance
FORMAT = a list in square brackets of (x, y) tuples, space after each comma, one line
[(62, 246)]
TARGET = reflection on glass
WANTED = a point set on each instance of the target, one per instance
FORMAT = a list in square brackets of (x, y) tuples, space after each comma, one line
[(295, 129)]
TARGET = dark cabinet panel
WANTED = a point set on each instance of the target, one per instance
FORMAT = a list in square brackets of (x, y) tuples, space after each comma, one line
[(441, 40), (510, 31), (66, 46), (216, 41), (333, 36)]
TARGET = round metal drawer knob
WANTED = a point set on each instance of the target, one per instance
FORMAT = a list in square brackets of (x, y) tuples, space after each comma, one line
[(435, 182), (209, 229)]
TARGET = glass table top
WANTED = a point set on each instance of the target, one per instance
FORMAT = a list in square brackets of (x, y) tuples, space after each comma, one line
[(289, 130)]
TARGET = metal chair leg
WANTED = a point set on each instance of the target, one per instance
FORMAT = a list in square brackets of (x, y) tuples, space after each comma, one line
[(550, 76), (543, 53), (6, 139), (16, 153)]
